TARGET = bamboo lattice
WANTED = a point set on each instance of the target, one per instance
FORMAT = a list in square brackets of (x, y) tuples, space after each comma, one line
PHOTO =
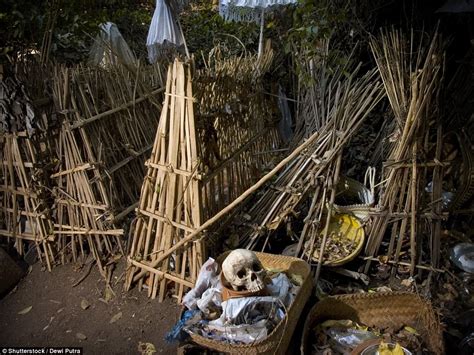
[(107, 131), (24, 211), (213, 123)]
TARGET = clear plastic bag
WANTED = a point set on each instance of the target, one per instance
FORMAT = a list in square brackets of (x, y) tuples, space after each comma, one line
[(110, 48)]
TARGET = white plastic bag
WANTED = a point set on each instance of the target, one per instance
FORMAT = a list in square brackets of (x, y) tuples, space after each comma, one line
[(207, 278), (110, 48)]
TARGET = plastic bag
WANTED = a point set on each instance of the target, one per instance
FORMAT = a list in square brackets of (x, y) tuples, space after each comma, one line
[(350, 337), (208, 277), (110, 48)]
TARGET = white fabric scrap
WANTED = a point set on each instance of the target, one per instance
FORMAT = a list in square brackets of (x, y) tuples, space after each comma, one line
[(208, 278)]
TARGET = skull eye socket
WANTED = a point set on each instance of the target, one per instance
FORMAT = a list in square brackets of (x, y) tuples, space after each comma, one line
[(256, 267), (241, 273)]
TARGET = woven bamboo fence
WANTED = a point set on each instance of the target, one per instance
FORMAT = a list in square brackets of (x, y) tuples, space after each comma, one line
[(108, 121), (213, 123), (24, 210)]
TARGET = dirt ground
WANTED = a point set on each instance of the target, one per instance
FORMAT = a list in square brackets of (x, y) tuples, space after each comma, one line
[(57, 317)]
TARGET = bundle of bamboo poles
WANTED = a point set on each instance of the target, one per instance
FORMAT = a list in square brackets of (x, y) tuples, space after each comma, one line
[(213, 122), (336, 106), (107, 131), (24, 211), (412, 71)]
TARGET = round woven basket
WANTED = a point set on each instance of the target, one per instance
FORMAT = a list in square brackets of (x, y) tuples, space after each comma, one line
[(278, 340), (381, 310)]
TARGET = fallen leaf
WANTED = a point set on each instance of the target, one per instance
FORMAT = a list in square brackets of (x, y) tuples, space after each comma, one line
[(411, 330), (81, 336), (85, 304), (26, 310), (146, 348), (108, 294), (50, 320), (116, 317)]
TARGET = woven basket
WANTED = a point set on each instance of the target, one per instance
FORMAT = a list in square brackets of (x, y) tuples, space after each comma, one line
[(387, 309), (278, 340)]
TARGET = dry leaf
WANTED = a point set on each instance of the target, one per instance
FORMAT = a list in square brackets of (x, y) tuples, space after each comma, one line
[(81, 336), (108, 294), (116, 317), (411, 330), (26, 310), (146, 348), (85, 304)]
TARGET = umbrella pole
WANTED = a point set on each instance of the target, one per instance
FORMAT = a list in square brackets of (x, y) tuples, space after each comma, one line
[(184, 39), (260, 40)]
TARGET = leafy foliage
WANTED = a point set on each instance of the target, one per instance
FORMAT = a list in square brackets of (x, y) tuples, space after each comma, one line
[(23, 24)]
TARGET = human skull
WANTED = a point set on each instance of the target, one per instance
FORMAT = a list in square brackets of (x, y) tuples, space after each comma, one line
[(243, 271)]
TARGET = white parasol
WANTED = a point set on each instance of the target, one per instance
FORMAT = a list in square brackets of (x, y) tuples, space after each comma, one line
[(165, 31), (250, 11)]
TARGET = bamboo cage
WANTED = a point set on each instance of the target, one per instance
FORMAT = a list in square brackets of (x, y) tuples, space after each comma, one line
[(213, 123), (108, 119), (25, 215), (334, 106), (409, 218)]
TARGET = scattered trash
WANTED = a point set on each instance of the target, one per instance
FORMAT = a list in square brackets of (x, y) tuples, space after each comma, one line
[(462, 255), (446, 196), (242, 305), (344, 242), (366, 319), (385, 349), (346, 336)]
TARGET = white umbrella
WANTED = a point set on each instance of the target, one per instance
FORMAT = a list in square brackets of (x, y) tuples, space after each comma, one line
[(110, 48), (164, 31), (250, 11)]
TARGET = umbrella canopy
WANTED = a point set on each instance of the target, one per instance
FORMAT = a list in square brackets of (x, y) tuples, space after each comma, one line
[(110, 48), (164, 31), (250, 11)]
